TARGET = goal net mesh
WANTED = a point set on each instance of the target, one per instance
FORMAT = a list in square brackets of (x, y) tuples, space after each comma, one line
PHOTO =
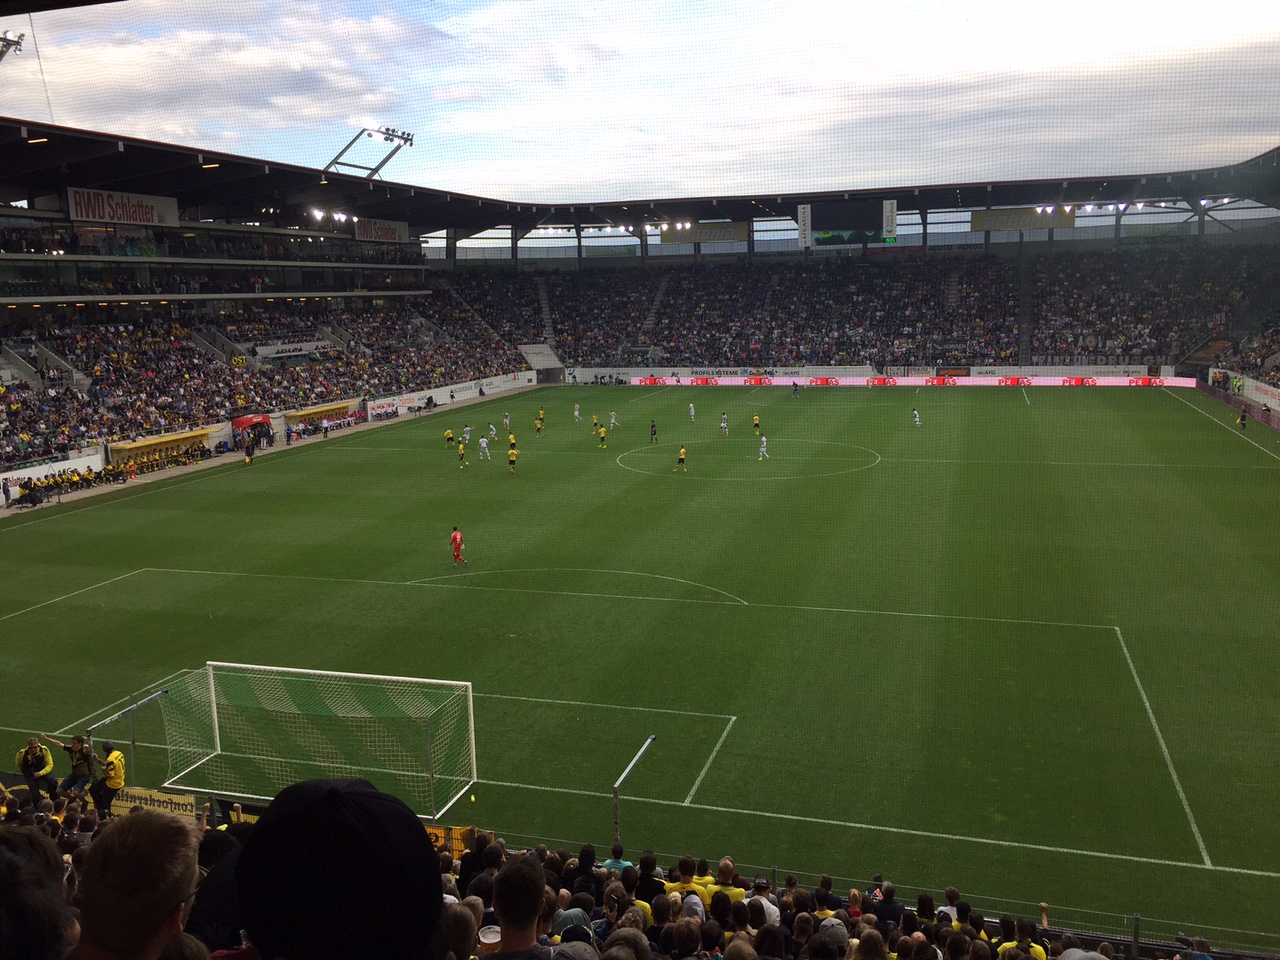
[(249, 731)]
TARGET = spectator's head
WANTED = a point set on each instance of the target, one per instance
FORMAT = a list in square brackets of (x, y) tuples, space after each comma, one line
[(887, 890), (802, 926), (721, 908), (1008, 928), (616, 900), (629, 879), (518, 894), (481, 886), (617, 851), (712, 935), (661, 910), (686, 868), (725, 871), (34, 916), (327, 856), (460, 932), (687, 937), (770, 942), (871, 946), (740, 948), (587, 857), (648, 863), (633, 941), (1024, 929), (139, 880)]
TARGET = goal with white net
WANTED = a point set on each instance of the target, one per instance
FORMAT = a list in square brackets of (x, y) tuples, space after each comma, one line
[(249, 730)]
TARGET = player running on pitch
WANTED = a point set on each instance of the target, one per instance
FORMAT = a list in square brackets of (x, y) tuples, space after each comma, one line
[(915, 415), (484, 449), (692, 418), (577, 413), (764, 448), (653, 431), (680, 461), (462, 456), (602, 432), (493, 432), (466, 434), (512, 455), (506, 421), (755, 424), (613, 419), (458, 546), (724, 424)]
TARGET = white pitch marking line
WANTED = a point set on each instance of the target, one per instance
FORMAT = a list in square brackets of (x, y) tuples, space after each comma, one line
[(616, 596), (74, 593), (27, 731), (711, 759), (649, 394), (149, 688), (625, 573), (1024, 395), (1164, 749), (1225, 426), (876, 828), (1081, 463), (606, 706)]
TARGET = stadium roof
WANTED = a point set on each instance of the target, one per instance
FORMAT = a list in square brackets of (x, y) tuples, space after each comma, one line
[(40, 160), (9, 8)]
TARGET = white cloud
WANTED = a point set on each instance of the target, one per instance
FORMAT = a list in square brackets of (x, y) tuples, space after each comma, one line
[(570, 101)]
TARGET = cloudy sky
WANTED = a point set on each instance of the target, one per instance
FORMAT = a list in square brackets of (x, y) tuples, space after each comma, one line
[(582, 100)]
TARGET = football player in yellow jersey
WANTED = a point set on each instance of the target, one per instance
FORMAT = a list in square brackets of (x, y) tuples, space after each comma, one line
[(512, 454), (448, 438), (462, 455), (755, 423), (602, 432), (511, 440), (680, 461), (537, 427)]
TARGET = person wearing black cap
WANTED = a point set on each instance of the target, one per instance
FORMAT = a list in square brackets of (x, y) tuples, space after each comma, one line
[(336, 869)]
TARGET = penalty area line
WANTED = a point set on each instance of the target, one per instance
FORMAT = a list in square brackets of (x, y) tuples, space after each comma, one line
[(1164, 749), (73, 593), (1225, 426), (710, 760)]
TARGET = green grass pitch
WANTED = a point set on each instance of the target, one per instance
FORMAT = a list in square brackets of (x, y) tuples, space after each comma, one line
[(1028, 648)]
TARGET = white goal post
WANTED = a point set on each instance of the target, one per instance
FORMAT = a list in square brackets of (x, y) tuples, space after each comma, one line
[(248, 731)]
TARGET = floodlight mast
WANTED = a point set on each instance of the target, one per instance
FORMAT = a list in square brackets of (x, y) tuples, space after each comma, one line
[(9, 42), (400, 138)]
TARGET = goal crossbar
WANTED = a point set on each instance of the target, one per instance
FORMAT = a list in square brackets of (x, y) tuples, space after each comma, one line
[(249, 730)]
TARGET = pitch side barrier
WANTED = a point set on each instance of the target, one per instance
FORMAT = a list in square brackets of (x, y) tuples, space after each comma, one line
[(854, 381)]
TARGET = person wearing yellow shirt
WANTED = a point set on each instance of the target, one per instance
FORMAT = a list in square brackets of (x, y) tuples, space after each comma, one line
[(1024, 941), (723, 880), (602, 433), (462, 455), (35, 763), (685, 871), (512, 454), (104, 789), (448, 438)]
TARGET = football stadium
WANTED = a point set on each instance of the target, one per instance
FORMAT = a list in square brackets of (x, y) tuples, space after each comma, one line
[(850, 501)]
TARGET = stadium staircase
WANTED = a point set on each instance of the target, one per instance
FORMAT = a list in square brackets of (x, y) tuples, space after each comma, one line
[(1026, 323), (651, 321), (544, 302), (13, 368)]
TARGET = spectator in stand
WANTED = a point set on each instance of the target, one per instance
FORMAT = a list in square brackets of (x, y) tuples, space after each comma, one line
[(103, 790), (81, 755), (35, 918), (140, 878), (615, 863), (35, 763), (326, 858), (888, 909), (518, 902)]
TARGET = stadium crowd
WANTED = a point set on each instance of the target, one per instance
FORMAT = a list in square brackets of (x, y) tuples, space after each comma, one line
[(149, 376), (337, 869), (1255, 354), (1139, 301)]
